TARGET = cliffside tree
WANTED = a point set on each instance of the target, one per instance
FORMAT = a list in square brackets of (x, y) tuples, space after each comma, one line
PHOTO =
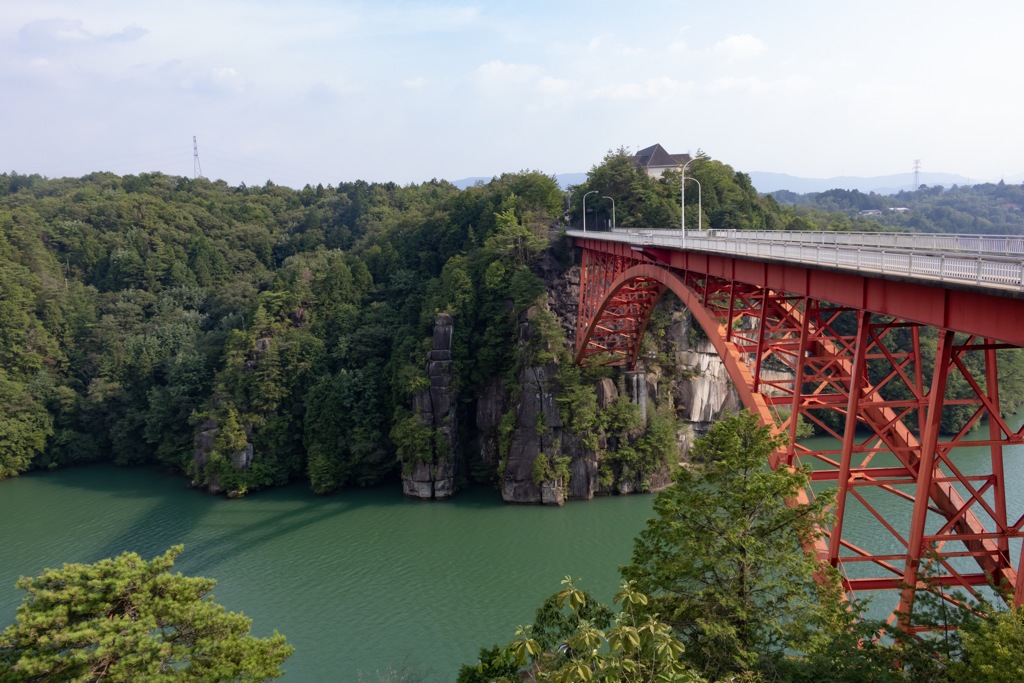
[(126, 619), (723, 558)]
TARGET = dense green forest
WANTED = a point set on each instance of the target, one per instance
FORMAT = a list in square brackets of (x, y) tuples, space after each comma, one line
[(248, 336), (143, 315), (980, 209)]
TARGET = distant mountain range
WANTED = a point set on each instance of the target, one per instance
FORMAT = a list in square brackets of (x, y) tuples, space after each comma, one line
[(773, 182), (564, 180), (883, 184)]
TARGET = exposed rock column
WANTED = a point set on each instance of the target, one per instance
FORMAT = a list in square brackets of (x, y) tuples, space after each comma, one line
[(436, 408), (536, 432), (636, 383)]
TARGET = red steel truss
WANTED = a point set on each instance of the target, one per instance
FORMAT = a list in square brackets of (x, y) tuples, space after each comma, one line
[(850, 355)]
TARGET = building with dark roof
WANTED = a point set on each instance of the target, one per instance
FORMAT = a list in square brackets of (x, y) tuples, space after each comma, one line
[(655, 160)]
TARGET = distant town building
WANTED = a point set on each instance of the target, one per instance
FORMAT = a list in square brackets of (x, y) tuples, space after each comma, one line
[(655, 160), (871, 212), (900, 209)]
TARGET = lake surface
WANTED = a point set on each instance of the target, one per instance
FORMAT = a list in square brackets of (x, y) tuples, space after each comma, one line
[(358, 582), (366, 580), (868, 532)]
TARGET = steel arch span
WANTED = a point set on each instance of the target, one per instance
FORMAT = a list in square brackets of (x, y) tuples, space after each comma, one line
[(862, 376)]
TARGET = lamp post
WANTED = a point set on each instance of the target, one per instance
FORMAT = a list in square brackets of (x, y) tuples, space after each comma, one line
[(700, 204), (682, 200), (585, 208), (613, 209)]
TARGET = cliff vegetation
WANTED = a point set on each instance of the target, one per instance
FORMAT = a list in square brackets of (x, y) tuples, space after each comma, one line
[(344, 335)]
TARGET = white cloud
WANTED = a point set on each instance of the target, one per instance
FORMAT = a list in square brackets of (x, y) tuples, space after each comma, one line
[(548, 84), (499, 74), (629, 51), (47, 35), (524, 86), (655, 88), (755, 86), (407, 19), (238, 72), (738, 47), (225, 74), (191, 78)]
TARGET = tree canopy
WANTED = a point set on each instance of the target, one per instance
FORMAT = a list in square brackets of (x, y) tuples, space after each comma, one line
[(127, 619), (218, 330), (722, 588), (724, 557), (986, 208)]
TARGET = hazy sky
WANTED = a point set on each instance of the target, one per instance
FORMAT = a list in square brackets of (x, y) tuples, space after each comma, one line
[(309, 91)]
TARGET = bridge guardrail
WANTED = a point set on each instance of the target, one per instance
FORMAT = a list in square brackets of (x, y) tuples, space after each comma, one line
[(945, 265), (999, 245)]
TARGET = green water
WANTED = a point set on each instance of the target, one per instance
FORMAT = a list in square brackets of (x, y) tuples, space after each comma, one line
[(866, 530), (366, 579), (358, 582)]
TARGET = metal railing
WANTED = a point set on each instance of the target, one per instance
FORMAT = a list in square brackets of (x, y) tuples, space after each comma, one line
[(977, 260), (1004, 245)]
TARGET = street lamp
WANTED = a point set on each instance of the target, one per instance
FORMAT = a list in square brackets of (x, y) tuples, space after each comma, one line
[(700, 204), (613, 209), (682, 200), (585, 208)]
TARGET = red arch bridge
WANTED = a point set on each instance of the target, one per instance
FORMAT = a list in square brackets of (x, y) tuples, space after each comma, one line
[(845, 315)]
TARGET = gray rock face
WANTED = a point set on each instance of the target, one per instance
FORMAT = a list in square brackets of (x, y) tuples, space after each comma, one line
[(583, 468), (435, 407), (564, 297), (538, 432), (538, 425), (707, 390), (490, 406), (607, 392), (711, 391), (204, 441)]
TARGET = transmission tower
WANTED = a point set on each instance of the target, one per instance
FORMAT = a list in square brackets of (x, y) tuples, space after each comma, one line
[(197, 170), (917, 174)]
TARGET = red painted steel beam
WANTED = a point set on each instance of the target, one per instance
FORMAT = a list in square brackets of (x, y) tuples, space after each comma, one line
[(858, 373), (896, 583), (791, 323), (987, 314)]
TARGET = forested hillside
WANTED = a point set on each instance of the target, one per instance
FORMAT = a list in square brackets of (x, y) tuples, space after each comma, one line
[(139, 311), (247, 336), (980, 209)]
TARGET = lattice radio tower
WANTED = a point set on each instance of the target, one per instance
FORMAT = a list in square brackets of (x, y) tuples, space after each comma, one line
[(197, 170), (917, 175)]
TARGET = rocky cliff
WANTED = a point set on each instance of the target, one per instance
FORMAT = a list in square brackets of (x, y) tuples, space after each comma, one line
[(435, 477), (522, 433), (205, 441), (541, 458)]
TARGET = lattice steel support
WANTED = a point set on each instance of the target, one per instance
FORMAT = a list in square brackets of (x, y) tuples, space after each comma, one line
[(869, 382)]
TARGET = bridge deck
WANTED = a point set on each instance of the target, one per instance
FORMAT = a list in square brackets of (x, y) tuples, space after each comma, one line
[(988, 262), (846, 316)]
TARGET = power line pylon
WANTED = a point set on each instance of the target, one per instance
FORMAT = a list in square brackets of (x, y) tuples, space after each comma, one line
[(197, 170)]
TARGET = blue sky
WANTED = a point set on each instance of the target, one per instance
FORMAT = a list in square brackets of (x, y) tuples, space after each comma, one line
[(309, 91)]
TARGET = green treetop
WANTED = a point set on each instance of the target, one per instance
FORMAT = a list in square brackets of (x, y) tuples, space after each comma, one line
[(724, 561), (127, 619)]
